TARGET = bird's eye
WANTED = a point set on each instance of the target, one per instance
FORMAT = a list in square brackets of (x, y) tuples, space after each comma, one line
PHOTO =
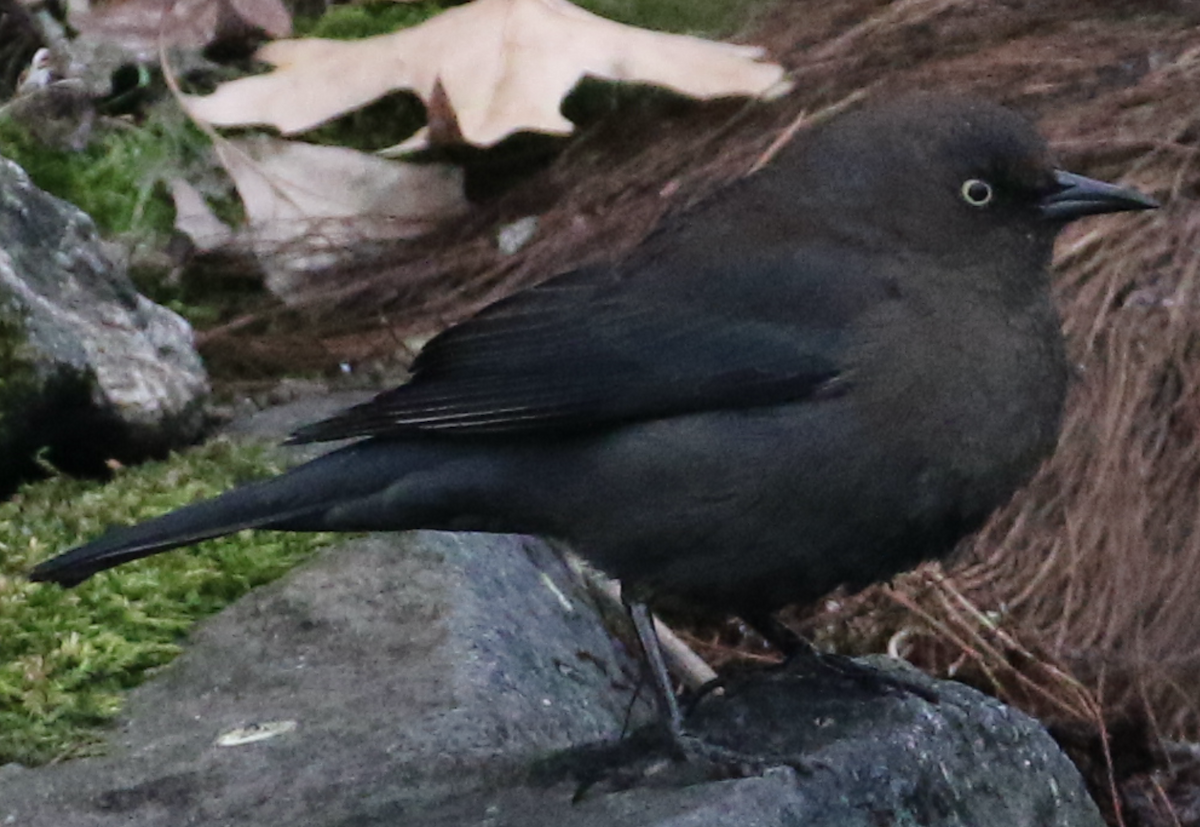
[(977, 192)]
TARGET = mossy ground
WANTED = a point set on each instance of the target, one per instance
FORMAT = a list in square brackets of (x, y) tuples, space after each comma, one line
[(66, 656), (117, 179)]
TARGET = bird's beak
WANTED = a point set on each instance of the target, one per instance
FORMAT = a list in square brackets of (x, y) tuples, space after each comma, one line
[(1077, 196)]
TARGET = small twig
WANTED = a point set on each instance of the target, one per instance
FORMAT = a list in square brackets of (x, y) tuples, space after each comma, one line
[(684, 663)]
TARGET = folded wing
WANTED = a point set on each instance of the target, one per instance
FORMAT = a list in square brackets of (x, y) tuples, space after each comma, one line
[(599, 347)]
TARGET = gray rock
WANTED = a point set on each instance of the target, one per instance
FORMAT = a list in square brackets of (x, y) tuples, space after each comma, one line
[(442, 679), (276, 423), (86, 360), (407, 669)]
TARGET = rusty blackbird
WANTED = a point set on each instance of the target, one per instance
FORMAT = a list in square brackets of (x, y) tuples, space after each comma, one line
[(835, 370)]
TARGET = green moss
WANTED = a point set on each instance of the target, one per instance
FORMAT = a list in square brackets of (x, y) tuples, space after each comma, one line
[(350, 22), (116, 180), (378, 125), (66, 656), (119, 181)]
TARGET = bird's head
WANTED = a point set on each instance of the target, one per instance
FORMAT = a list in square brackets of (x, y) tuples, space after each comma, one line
[(947, 174)]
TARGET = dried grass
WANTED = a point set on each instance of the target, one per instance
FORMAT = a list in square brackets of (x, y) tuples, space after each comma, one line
[(1100, 558)]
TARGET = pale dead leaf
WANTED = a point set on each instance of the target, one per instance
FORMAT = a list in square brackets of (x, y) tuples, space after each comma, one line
[(505, 66), (306, 204), (285, 181), (194, 219)]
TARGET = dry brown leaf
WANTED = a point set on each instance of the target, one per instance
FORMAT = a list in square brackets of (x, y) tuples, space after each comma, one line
[(505, 66), (441, 125)]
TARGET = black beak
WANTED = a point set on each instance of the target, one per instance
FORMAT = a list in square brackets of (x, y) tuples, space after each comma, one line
[(1077, 196)]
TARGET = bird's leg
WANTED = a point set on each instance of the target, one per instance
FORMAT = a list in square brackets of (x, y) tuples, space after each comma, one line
[(664, 692), (692, 749)]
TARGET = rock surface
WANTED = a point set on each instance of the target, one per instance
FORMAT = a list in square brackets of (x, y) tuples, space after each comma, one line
[(85, 359), (410, 667), (426, 679)]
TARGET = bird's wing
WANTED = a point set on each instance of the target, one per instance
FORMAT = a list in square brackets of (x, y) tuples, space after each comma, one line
[(612, 344)]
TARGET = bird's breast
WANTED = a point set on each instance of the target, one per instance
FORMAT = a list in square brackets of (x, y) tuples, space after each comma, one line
[(971, 390)]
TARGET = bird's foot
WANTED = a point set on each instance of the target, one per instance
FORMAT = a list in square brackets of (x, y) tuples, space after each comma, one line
[(720, 762)]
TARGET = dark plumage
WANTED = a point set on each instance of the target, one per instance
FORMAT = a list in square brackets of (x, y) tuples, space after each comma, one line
[(837, 369)]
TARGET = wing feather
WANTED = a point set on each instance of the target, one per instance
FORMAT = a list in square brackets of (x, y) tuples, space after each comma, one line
[(600, 346)]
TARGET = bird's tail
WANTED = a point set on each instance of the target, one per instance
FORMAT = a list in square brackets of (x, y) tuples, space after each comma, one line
[(326, 493)]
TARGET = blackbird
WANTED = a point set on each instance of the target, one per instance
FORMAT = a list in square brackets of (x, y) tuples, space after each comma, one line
[(835, 370)]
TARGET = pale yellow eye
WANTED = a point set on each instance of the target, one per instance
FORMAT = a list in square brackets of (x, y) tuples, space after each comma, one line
[(977, 192)]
